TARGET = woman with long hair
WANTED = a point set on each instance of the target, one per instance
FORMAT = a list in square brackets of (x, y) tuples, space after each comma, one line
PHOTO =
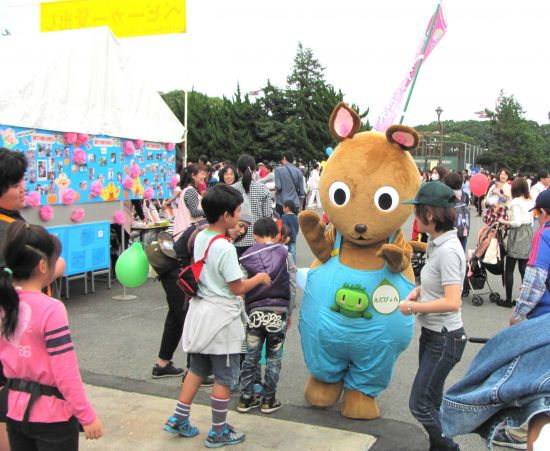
[(520, 235), (189, 201), (36, 349), (257, 195)]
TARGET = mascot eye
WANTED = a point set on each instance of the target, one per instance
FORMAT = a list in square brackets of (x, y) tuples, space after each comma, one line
[(339, 193), (386, 198)]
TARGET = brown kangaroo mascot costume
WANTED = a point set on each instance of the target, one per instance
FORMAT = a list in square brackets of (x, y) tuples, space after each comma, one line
[(351, 329)]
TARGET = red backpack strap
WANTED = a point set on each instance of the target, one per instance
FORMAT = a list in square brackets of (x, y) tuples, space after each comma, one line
[(217, 237)]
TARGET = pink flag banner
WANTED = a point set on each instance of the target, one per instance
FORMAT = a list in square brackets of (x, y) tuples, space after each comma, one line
[(434, 32)]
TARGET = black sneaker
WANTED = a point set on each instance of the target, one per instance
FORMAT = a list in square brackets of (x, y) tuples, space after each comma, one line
[(502, 438), (167, 371), (270, 405), (208, 382), (505, 303), (247, 404)]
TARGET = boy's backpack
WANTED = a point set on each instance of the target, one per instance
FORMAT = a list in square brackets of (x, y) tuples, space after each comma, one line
[(185, 244), (462, 221), (188, 278)]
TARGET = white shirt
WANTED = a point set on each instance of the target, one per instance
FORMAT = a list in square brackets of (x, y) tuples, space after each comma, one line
[(518, 211)]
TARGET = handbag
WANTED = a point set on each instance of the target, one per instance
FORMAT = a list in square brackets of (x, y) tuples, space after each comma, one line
[(161, 254)]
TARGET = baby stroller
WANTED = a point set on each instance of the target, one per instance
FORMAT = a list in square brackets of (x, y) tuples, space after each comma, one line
[(479, 263)]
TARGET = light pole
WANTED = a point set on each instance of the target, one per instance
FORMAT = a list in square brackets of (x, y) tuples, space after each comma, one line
[(439, 110)]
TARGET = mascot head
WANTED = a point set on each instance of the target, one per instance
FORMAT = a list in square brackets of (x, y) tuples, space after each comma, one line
[(366, 178)]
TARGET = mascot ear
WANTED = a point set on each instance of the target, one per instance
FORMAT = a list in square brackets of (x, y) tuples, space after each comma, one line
[(405, 137), (344, 122)]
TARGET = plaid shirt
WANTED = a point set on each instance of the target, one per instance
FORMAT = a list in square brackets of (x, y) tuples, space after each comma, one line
[(260, 206), (493, 214), (532, 289)]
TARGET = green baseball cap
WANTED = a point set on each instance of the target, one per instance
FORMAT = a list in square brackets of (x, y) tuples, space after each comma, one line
[(434, 194)]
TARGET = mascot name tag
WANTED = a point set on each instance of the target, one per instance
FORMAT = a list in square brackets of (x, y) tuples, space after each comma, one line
[(385, 298)]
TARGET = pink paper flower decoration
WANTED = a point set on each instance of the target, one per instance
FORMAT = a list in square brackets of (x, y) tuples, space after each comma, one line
[(78, 215), (33, 199), (128, 148), (135, 171), (69, 196), (149, 193), (119, 217), (139, 143), (97, 187), (82, 138), (127, 183), (170, 146), (79, 156), (45, 213), (69, 137), (174, 180)]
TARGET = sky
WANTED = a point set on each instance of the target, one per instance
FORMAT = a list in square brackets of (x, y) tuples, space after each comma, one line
[(366, 47)]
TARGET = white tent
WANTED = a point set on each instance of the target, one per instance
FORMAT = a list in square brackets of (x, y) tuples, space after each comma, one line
[(81, 81)]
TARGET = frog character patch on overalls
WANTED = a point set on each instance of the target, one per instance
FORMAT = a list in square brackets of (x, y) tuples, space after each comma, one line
[(351, 328)]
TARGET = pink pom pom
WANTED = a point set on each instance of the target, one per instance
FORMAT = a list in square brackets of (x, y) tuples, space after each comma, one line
[(69, 196), (78, 215), (82, 138), (119, 217), (170, 146), (174, 180), (135, 171), (79, 156), (149, 193), (69, 137), (33, 199), (139, 143), (128, 183), (97, 187), (128, 148), (46, 213)]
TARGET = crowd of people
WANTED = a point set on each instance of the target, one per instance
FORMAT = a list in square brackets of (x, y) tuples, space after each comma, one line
[(242, 222)]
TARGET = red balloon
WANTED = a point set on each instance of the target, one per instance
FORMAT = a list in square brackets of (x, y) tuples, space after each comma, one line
[(479, 184)]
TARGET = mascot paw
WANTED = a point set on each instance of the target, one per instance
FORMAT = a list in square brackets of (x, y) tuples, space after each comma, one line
[(418, 246), (308, 220), (358, 406), (321, 394), (394, 256)]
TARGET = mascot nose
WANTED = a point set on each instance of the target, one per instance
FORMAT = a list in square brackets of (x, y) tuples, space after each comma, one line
[(361, 228)]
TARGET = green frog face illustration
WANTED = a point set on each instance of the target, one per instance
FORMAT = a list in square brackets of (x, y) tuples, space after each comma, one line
[(352, 301)]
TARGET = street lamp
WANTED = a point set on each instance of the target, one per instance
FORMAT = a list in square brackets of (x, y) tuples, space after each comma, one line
[(439, 110)]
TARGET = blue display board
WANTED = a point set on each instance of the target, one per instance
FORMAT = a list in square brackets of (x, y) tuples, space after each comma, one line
[(51, 171), (86, 247)]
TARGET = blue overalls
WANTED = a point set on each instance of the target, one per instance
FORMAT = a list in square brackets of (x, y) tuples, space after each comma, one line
[(360, 351)]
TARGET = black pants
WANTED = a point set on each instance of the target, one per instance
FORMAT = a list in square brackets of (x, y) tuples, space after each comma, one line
[(175, 318), (61, 436), (509, 274)]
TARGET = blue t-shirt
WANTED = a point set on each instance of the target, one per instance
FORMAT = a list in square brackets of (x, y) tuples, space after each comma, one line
[(291, 221)]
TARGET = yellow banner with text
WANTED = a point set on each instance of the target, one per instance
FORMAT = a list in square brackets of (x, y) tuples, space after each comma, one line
[(124, 17)]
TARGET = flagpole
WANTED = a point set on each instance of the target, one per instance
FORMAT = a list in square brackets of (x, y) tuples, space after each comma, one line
[(432, 25)]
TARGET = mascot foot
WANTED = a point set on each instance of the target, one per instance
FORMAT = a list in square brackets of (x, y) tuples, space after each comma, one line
[(321, 394), (358, 406)]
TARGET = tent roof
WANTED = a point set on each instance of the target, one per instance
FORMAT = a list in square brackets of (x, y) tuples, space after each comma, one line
[(81, 81)]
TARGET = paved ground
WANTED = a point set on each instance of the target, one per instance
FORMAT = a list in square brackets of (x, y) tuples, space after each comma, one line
[(117, 343)]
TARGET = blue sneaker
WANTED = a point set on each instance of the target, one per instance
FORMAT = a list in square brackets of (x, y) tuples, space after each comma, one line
[(229, 436), (184, 428)]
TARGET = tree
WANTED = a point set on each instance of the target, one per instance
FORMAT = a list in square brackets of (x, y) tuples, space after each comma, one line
[(515, 142)]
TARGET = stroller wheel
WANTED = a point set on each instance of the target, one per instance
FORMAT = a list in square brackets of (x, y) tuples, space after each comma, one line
[(477, 300), (494, 297)]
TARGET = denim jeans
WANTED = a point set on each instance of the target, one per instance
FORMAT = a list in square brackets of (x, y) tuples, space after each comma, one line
[(292, 250), (268, 327), (439, 352)]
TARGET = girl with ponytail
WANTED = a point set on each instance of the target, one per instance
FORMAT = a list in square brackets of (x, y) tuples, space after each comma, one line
[(255, 194), (47, 399)]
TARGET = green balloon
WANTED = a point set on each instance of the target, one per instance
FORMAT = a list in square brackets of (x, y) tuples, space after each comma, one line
[(132, 267)]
